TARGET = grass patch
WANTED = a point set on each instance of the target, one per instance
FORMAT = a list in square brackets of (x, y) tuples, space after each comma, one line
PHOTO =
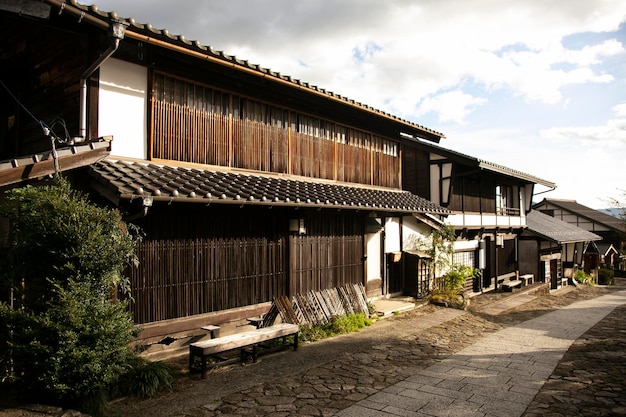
[(336, 326)]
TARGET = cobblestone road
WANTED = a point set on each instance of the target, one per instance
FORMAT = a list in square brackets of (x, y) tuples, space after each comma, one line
[(323, 378)]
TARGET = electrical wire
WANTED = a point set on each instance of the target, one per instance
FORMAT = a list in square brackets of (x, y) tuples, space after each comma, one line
[(47, 130)]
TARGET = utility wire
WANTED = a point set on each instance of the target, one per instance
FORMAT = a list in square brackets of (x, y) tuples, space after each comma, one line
[(47, 130)]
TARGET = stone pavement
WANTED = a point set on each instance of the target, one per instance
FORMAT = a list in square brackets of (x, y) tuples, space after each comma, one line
[(497, 376), (341, 375)]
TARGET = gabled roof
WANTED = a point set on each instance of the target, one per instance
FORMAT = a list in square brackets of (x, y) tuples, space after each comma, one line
[(585, 212), (128, 180), (557, 230), (606, 249), (145, 32), (484, 165)]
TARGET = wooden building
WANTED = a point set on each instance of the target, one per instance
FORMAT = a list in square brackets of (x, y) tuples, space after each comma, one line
[(611, 229), (552, 250), (248, 184), (489, 205)]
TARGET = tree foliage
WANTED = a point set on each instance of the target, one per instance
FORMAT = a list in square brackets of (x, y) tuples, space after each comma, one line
[(64, 338)]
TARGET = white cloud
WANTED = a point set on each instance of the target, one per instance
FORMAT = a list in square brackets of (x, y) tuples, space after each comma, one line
[(422, 49), (620, 110), (451, 106), (612, 133)]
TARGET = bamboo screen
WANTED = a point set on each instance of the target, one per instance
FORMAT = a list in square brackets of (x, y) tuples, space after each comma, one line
[(180, 278), (320, 262), (329, 255), (191, 135), (195, 123)]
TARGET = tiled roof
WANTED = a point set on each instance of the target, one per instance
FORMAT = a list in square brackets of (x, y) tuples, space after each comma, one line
[(146, 32), (594, 215), (557, 230), (129, 180)]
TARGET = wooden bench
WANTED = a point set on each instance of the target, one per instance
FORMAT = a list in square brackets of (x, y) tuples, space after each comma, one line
[(527, 279), (509, 285), (509, 281), (254, 338)]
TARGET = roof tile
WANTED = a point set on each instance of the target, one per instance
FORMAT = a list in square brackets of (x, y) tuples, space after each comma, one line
[(132, 179)]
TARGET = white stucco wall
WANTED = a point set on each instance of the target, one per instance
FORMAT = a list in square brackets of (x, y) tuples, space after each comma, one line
[(392, 235), (410, 229), (373, 263), (122, 107)]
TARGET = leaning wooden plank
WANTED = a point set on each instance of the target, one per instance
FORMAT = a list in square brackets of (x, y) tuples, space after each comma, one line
[(362, 298), (323, 305), (287, 313)]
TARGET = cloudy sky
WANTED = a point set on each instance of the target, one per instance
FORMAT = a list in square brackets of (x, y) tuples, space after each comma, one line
[(535, 85)]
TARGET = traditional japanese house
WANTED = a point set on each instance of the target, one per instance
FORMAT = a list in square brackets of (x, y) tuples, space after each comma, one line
[(611, 229), (489, 205), (247, 183), (552, 250)]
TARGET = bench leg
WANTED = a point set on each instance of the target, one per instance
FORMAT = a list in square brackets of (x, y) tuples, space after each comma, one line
[(295, 341), (192, 357), (203, 367)]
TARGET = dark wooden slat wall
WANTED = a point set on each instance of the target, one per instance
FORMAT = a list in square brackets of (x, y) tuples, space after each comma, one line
[(199, 124), (181, 278), (200, 260)]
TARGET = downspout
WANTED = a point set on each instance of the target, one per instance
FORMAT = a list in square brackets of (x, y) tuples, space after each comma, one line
[(116, 31)]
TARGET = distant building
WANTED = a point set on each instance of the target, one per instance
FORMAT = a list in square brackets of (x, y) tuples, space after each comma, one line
[(610, 228), (552, 250)]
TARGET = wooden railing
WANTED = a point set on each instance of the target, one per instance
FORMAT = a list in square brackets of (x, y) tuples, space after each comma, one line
[(180, 133)]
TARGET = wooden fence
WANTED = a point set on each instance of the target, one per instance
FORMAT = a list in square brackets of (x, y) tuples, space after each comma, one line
[(180, 278), (320, 262)]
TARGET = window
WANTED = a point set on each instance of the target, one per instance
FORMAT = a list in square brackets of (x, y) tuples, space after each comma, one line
[(508, 200), (466, 258)]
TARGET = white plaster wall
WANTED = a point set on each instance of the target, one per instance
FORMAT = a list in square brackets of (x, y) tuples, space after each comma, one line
[(462, 245), (122, 109), (373, 262), (410, 228), (392, 235)]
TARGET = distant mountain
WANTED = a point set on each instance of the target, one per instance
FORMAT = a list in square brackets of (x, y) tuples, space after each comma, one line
[(615, 212)]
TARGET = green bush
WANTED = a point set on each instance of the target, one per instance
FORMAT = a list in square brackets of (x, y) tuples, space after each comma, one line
[(336, 326), (144, 378), (454, 280), (450, 295), (582, 278), (606, 277), (65, 340)]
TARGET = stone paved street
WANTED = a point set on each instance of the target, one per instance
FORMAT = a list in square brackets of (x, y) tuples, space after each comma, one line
[(590, 380), (412, 352), (367, 366), (497, 376)]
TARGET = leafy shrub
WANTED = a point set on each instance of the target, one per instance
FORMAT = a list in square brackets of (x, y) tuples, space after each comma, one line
[(453, 282), (605, 277), (336, 326), (65, 340), (144, 378), (582, 278)]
